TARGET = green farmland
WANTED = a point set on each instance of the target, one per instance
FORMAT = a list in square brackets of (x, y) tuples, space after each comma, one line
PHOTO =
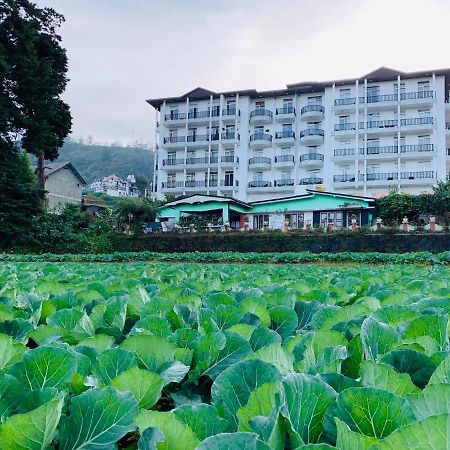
[(180, 356)]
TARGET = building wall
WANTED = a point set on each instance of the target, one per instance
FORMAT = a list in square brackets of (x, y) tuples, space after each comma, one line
[(346, 163), (63, 187)]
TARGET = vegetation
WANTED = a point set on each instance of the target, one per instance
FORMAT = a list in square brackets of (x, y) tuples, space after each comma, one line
[(95, 160), (33, 68), (236, 257), (189, 356), (137, 211)]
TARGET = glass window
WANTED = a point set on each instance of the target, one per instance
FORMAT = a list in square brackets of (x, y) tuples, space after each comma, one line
[(335, 218), (258, 221), (344, 93), (296, 220), (315, 100), (425, 139), (229, 177), (423, 86)]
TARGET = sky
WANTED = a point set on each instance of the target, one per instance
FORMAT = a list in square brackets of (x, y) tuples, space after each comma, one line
[(122, 52)]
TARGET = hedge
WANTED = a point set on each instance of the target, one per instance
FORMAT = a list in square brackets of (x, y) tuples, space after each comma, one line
[(285, 242)]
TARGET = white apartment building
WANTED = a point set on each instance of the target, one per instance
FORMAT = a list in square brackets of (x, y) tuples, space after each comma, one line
[(115, 186), (361, 136)]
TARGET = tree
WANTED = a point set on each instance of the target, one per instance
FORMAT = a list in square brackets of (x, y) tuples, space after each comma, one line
[(142, 183), (19, 196), (136, 211), (396, 205), (33, 68)]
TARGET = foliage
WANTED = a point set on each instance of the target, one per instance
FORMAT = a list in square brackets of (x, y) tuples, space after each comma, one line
[(33, 68), (186, 356), (396, 205), (136, 211), (94, 160), (19, 197)]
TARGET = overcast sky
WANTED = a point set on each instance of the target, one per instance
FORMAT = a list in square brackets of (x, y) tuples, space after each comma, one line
[(122, 52)]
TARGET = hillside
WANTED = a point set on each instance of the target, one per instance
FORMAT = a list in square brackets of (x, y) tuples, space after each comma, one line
[(96, 161)]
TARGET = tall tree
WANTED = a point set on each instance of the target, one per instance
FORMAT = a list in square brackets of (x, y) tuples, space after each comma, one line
[(33, 75)]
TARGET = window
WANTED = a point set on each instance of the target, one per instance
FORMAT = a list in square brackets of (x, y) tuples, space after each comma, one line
[(215, 110), (171, 177), (313, 125), (174, 112), (424, 113), (231, 107), (343, 120), (296, 220), (213, 177), (259, 219), (229, 152), (214, 133), (373, 168), (214, 153), (190, 176), (286, 175), (402, 141), (312, 149), (193, 109), (372, 93), (345, 143), (192, 133), (171, 156), (173, 133), (191, 154), (287, 128), (315, 100), (288, 103), (229, 178), (344, 93), (423, 86), (335, 218), (402, 88), (258, 176), (259, 130), (373, 146), (424, 140), (260, 104)]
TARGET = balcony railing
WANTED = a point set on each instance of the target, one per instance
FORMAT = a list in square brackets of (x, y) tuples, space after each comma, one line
[(213, 183), (311, 108), (417, 121), (259, 160), (229, 183), (416, 95), (194, 184), (261, 137), (285, 110), (197, 160), (230, 112), (229, 159), (213, 159), (420, 175), (173, 162), (284, 134), (259, 112), (175, 116), (312, 132), (172, 184), (345, 101), (174, 139), (382, 123), (344, 126), (381, 150), (228, 135), (347, 151), (382, 176), (203, 114), (384, 98), (198, 138), (417, 148), (311, 180), (285, 182), (343, 178), (259, 183), (284, 158), (311, 157)]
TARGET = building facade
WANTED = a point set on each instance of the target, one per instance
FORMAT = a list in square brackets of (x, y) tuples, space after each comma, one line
[(362, 136), (115, 186), (63, 185)]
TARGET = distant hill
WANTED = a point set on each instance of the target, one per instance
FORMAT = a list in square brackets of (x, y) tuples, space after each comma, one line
[(96, 161)]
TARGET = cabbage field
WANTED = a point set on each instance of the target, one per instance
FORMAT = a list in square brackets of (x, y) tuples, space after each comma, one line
[(183, 356)]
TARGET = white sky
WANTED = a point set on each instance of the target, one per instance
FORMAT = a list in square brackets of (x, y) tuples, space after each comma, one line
[(122, 52)]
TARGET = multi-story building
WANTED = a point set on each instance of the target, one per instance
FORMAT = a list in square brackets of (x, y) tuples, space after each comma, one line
[(361, 136), (115, 186)]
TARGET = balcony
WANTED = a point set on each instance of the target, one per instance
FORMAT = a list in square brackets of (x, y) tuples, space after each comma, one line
[(201, 162), (284, 161), (173, 164), (348, 126), (229, 161), (203, 116), (260, 140), (259, 186), (416, 151), (344, 178), (416, 124), (381, 125), (285, 114), (417, 98), (175, 119), (311, 180), (193, 185), (284, 185), (172, 185), (230, 136), (312, 112), (228, 185), (202, 140), (381, 178), (174, 141), (230, 114), (259, 162), (421, 177), (261, 116), (387, 151), (312, 160), (347, 153), (284, 137), (312, 136)]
